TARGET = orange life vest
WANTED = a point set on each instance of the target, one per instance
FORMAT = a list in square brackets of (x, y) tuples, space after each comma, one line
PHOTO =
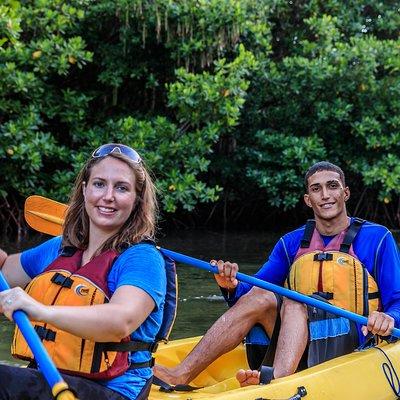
[(333, 271), (66, 282)]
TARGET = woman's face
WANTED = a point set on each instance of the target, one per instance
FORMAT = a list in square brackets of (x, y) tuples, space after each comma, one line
[(109, 195)]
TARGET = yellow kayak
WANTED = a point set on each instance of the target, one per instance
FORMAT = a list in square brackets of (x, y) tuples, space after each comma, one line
[(359, 375)]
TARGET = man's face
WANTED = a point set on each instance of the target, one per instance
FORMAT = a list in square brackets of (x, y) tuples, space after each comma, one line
[(326, 195)]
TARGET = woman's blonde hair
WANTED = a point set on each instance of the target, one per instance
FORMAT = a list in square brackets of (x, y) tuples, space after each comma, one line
[(140, 225)]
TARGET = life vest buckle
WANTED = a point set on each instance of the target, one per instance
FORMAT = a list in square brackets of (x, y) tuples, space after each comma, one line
[(323, 257), (60, 279), (45, 334), (324, 295), (153, 347)]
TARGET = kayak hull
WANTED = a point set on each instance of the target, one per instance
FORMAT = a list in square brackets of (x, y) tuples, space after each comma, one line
[(358, 375)]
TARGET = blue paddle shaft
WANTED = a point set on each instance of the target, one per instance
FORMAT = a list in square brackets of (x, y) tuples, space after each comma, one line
[(43, 360), (291, 294)]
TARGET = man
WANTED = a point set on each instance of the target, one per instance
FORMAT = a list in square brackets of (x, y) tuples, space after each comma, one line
[(319, 252)]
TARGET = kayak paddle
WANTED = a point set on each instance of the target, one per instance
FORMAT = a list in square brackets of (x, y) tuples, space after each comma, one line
[(58, 386), (36, 215)]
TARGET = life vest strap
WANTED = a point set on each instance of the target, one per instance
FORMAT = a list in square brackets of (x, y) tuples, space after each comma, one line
[(144, 364), (308, 232), (323, 257), (45, 334), (351, 234), (374, 295), (60, 279), (130, 346), (325, 295), (68, 251)]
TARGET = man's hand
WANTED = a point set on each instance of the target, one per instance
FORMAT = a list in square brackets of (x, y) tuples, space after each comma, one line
[(226, 277), (3, 256), (379, 323)]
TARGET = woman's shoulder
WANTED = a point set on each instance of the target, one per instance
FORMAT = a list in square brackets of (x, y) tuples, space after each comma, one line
[(146, 253), (36, 259), (148, 248), (52, 245), (140, 265)]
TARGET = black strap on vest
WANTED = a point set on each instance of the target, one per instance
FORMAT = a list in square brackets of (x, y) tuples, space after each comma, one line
[(68, 251), (45, 334), (325, 295), (323, 257), (61, 280), (351, 233), (130, 346), (269, 357), (308, 232), (145, 364)]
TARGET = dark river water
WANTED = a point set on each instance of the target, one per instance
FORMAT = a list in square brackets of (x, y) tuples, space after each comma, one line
[(200, 301)]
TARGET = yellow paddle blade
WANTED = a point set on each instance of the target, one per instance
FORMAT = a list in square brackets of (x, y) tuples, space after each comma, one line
[(45, 215)]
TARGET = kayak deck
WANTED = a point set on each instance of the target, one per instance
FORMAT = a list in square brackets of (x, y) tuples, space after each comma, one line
[(358, 375)]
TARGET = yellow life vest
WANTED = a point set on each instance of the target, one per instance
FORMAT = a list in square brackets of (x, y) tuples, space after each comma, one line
[(333, 271), (66, 282)]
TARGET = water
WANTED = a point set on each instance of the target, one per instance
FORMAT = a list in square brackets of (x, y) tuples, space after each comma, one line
[(200, 301)]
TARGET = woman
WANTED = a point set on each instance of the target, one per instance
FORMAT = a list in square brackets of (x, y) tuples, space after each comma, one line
[(116, 295)]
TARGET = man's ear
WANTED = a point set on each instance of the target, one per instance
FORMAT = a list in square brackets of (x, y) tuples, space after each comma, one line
[(307, 200), (346, 193)]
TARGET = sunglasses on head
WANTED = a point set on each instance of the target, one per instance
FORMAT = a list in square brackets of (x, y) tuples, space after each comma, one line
[(107, 149)]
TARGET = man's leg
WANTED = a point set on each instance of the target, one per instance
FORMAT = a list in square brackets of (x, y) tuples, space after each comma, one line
[(293, 338), (292, 342), (257, 306)]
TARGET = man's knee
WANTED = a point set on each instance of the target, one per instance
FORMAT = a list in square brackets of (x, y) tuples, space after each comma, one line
[(291, 306), (257, 301)]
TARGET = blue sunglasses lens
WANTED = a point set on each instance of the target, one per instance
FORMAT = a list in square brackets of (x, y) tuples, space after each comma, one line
[(109, 148)]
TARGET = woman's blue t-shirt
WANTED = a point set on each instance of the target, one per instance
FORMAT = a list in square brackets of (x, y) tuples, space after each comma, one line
[(141, 266)]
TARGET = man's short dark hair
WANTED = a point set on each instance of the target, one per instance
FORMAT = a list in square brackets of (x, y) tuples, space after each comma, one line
[(323, 166)]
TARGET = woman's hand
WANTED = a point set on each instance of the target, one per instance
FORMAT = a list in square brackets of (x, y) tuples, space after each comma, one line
[(17, 299), (226, 277)]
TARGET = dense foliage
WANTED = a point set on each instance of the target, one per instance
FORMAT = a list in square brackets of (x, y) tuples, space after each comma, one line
[(229, 101)]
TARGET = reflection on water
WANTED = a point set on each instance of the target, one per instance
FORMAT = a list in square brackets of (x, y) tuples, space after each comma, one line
[(200, 301)]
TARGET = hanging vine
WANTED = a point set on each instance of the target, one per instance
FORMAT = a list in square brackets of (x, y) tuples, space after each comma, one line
[(197, 31)]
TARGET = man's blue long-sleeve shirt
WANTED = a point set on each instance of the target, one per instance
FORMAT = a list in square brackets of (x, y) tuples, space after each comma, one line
[(374, 246)]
